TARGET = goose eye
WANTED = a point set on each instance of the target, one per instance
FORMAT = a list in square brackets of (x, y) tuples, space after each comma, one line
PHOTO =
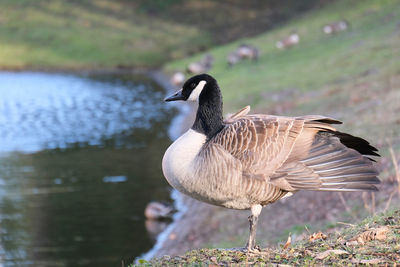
[(192, 85)]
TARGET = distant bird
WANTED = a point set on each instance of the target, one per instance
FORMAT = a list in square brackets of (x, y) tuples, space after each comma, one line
[(244, 51), (155, 227), (177, 79), (336, 27), (204, 65), (289, 41), (233, 58), (158, 210), (249, 161), (208, 60), (248, 51)]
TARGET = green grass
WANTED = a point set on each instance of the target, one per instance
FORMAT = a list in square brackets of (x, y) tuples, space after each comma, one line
[(89, 34), (319, 60)]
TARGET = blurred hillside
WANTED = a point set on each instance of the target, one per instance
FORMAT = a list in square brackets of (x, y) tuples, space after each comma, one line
[(228, 20), (127, 33)]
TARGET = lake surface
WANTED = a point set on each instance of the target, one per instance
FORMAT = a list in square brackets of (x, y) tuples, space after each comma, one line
[(80, 157)]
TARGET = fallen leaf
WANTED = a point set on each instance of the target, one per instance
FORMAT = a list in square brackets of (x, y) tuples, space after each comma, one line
[(316, 236), (308, 252), (288, 242), (325, 254), (373, 234), (372, 261)]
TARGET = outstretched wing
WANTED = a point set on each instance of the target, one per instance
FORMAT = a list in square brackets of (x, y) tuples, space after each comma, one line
[(335, 162), (299, 153), (261, 142)]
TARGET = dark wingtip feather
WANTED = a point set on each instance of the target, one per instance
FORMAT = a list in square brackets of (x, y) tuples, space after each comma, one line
[(357, 143), (372, 159), (340, 162), (329, 121)]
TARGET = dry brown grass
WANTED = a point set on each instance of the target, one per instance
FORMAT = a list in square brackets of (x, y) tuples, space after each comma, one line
[(396, 168)]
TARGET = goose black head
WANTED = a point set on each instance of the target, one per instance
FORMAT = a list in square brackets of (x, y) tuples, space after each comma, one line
[(193, 88), (203, 89)]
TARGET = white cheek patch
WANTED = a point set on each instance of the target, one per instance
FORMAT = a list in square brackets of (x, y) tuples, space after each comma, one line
[(194, 96)]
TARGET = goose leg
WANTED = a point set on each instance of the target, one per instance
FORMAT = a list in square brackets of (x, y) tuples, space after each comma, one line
[(253, 218)]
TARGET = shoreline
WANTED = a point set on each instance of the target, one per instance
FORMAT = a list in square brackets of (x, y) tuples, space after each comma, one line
[(179, 124), (181, 208), (180, 231)]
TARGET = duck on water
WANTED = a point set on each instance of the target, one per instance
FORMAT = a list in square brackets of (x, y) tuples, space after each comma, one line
[(252, 160)]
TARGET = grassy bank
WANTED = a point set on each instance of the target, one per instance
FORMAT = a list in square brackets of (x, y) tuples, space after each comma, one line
[(88, 34), (319, 61), (374, 241), (107, 34)]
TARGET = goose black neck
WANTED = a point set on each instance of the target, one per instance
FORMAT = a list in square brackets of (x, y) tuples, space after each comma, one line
[(209, 119)]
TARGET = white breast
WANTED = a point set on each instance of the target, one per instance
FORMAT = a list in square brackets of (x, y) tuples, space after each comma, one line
[(178, 160)]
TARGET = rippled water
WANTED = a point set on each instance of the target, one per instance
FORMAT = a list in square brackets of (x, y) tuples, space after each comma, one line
[(80, 159)]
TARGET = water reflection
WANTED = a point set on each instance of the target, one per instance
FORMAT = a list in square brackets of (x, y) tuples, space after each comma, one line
[(40, 110), (95, 146)]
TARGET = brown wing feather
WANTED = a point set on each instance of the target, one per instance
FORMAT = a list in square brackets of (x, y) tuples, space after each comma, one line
[(334, 162), (261, 142), (299, 153), (232, 117)]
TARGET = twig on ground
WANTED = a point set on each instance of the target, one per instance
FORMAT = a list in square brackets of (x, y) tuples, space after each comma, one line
[(364, 198), (372, 203), (389, 200), (346, 206), (349, 224), (369, 207), (308, 231), (396, 167)]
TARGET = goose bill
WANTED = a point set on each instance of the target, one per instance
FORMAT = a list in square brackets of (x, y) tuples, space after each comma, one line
[(177, 96)]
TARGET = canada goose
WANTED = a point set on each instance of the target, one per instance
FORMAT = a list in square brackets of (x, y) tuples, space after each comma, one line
[(335, 27), (289, 41), (244, 51), (203, 65), (177, 78), (157, 210), (155, 227), (249, 161), (248, 51), (233, 58), (207, 60)]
